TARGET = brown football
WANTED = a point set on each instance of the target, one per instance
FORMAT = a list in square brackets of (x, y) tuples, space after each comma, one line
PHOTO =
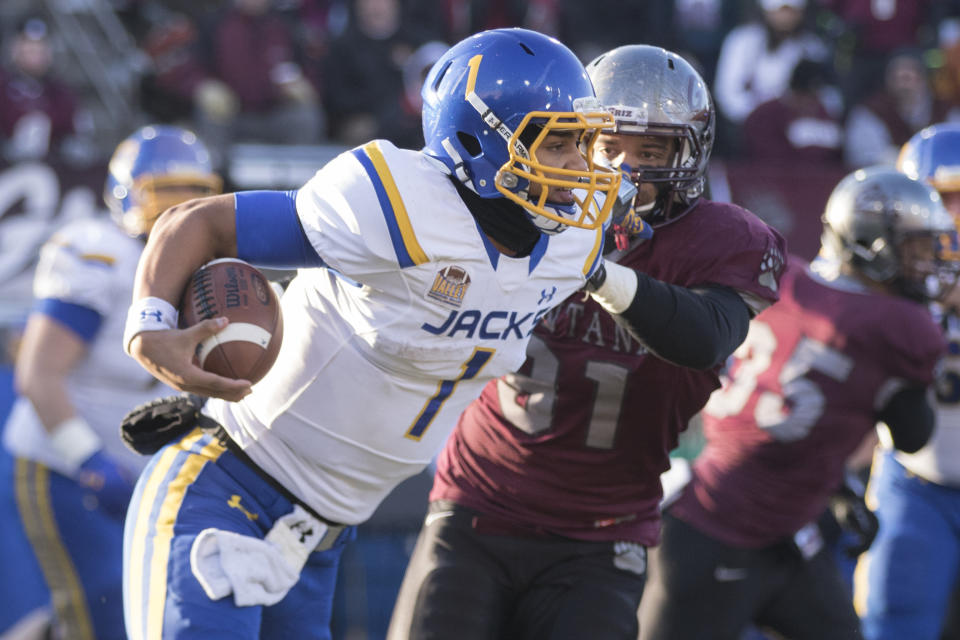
[(248, 346)]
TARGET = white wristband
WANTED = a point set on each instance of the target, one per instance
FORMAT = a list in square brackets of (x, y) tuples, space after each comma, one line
[(617, 291), (297, 535), (148, 314), (74, 441)]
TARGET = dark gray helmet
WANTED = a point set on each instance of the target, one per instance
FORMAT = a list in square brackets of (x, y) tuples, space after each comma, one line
[(651, 91), (869, 216)]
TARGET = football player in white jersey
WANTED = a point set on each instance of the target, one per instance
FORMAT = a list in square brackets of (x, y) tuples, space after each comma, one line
[(72, 476), (421, 276), (904, 582)]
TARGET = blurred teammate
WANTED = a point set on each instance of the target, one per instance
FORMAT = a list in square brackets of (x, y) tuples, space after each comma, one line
[(547, 493), (422, 275), (904, 582), (72, 476), (850, 343)]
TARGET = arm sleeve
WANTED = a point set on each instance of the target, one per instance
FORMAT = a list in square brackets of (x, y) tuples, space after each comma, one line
[(269, 233), (697, 328), (733, 76), (910, 418)]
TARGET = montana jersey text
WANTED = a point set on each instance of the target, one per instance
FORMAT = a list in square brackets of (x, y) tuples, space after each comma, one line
[(574, 443)]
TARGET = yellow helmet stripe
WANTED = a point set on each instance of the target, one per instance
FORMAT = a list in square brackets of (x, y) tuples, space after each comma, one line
[(474, 65)]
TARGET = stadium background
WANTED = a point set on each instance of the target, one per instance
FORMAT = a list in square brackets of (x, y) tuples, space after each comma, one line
[(100, 55)]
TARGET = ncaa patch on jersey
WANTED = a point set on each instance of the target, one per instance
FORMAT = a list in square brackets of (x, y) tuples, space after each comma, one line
[(450, 286)]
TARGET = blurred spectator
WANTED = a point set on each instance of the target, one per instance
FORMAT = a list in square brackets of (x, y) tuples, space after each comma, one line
[(37, 112), (363, 77), (698, 28), (264, 96), (317, 23), (178, 72), (796, 127), (453, 20), (591, 28), (403, 124), (946, 78), (871, 31), (757, 58), (878, 126)]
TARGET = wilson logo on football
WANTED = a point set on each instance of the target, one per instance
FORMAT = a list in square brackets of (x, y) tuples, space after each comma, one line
[(450, 286)]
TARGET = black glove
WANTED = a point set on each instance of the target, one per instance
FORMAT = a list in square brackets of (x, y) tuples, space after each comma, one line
[(596, 280), (858, 522), (150, 426)]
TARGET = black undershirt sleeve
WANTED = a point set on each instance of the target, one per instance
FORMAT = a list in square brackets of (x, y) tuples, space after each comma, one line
[(696, 328), (910, 418)]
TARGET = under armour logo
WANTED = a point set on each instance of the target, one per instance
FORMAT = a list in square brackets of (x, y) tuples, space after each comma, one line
[(157, 315), (547, 296), (234, 502), (304, 529)]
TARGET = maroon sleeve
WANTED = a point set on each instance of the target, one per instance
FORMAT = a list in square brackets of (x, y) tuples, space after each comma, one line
[(914, 344), (717, 243)]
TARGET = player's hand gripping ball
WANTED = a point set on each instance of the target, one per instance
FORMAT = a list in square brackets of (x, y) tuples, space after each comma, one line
[(248, 346)]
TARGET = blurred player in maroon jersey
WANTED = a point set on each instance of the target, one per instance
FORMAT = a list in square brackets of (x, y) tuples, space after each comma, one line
[(849, 344), (547, 494)]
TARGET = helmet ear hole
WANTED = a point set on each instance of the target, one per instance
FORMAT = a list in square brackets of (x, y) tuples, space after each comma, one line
[(470, 143), (440, 76)]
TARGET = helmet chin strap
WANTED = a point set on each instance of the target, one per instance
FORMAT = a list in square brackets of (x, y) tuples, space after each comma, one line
[(645, 208), (501, 219)]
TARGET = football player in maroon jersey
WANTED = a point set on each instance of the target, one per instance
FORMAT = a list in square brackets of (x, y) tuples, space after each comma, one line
[(850, 343), (547, 494)]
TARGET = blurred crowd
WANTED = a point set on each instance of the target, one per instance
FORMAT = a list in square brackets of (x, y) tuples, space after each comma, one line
[(837, 84), (842, 82)]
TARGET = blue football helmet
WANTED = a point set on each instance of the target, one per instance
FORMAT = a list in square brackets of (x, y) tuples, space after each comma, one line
[(933, 154), (155, 168), (488, 104)]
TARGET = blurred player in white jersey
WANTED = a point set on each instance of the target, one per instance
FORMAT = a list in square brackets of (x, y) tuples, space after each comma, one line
[(72, 476), (904, 582), (422, 275)]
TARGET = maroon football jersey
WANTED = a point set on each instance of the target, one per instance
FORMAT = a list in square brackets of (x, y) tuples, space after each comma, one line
[(804, 389), (575, 442)]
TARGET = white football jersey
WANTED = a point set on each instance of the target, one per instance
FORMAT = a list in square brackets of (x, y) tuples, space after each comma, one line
[(91, 263), (939, 460), (384, 349)]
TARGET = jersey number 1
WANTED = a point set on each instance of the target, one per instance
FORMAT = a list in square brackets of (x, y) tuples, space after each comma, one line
[(470, 369)]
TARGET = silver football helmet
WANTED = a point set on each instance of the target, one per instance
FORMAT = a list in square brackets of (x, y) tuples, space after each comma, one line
[(892, 230), (651, 91)]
